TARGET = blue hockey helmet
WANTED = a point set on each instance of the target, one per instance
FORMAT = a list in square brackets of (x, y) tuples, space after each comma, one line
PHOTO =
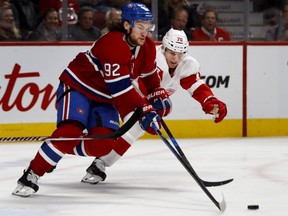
[(133, 11)]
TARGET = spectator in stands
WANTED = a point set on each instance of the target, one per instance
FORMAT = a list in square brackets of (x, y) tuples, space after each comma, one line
[(15, 12), (8, 28), (72, 9), (28, 15), (271, 16), (49, 29), (280, 31), (178, 21), (209, 30), (84, 30), (113, 15), (166, 8)]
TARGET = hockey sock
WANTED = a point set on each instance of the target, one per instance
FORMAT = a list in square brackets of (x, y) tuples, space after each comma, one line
[(122, 144), (50, 153), (95, 147)]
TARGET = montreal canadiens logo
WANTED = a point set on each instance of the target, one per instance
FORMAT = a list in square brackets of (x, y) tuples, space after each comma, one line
[(80, 111)]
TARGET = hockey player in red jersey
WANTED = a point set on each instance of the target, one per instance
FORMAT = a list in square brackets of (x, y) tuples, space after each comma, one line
[(176, 69), (94, 89)]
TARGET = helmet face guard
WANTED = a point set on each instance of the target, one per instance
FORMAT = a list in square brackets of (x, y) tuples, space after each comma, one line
[(133, 12), (176, 40)]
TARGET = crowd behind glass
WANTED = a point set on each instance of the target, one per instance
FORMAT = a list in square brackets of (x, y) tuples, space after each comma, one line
[(87, 20)]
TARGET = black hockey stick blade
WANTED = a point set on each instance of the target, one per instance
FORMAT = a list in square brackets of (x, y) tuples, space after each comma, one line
[(220, 205), (178, 148), (216, 183), (122, 130)]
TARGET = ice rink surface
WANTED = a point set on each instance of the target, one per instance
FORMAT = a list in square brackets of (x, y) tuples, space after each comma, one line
[(150, 181)]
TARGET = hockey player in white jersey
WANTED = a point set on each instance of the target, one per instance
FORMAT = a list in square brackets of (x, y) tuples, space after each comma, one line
[(176, 69)]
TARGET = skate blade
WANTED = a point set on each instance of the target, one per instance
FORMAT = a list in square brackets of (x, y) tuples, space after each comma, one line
[(91, 179), (23, 191)]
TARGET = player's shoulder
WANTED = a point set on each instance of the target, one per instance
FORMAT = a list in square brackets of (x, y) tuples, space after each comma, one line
[(188, 65), (112, 37), (190, 60), (150, 45), (105, 45), (149, 41)]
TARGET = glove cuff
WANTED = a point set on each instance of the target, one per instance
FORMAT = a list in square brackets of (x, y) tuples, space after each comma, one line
[(209, 98)]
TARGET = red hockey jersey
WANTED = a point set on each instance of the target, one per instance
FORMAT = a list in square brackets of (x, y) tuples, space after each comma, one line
[(105, 72)]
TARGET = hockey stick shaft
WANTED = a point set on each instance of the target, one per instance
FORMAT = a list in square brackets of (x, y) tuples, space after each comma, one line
[(122, 130), (221, 206), (178, 148)]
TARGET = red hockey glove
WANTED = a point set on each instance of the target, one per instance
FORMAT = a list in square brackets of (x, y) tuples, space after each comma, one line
[(149, 115), (215, 107), (160, 101)]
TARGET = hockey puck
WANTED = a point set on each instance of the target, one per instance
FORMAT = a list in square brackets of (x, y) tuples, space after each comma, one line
[(253, 207)]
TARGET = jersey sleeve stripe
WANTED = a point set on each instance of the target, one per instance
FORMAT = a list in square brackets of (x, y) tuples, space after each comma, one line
[(85, 86), (122, 92), (118, 79), (119, 86), (93, 60), (195, 86), (148, 74)]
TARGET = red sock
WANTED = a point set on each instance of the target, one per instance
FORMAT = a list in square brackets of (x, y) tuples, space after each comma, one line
[(99, 147), (49, 154), (120, 146)]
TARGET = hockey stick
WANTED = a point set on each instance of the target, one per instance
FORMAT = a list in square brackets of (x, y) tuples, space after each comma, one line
[(222, 205), (177, 146), (122, 130)]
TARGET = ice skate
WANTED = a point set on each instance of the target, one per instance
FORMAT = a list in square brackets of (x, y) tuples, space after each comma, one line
[(95, 172), (27, 184)]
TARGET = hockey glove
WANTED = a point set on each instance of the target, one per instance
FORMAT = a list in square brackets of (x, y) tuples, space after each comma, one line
[(160, 101), (215, 107), (149, 115)]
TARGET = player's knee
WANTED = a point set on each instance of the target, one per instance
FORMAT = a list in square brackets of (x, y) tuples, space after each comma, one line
[(99, 147), (100, 131), (68, 129)]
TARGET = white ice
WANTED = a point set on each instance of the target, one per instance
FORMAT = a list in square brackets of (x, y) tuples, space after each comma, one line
[(149, 181)]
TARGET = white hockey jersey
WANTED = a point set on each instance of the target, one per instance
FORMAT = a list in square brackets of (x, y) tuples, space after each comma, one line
[(187, 75)]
